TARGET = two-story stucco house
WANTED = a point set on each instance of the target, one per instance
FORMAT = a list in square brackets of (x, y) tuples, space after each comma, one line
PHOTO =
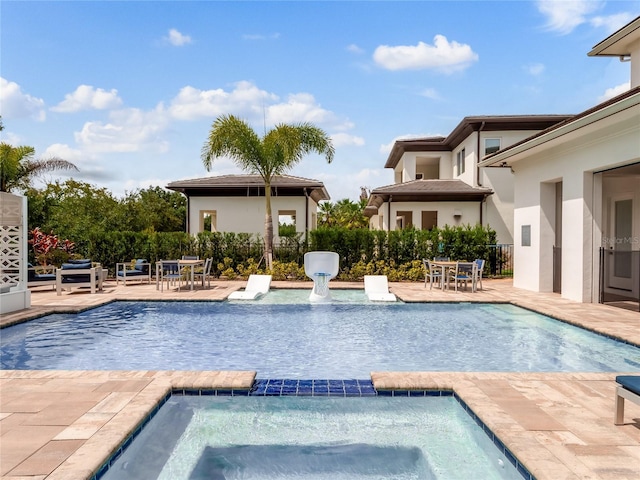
[(577, 194), (437, 180), (236, 203)]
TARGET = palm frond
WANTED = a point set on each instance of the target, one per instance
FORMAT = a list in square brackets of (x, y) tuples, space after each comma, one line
[(234, 138)]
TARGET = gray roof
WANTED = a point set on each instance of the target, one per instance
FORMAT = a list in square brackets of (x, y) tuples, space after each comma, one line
[(434, 190), (249, 185), (468, 125)]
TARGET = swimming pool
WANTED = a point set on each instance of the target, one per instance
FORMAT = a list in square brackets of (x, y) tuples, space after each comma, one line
[(337, 340), (289, 437)]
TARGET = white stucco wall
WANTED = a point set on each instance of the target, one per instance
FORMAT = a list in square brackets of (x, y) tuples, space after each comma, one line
[(246, 214), (405, 170), (470, 213), (499, 206), (571, 159), (635, 64)]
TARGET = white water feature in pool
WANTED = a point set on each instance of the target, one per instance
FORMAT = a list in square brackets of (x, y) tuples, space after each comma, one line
[(321, 267)]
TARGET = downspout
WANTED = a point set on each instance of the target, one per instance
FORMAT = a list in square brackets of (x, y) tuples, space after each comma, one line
[(478, 171), (478, 155), (389, 213), (188, 223)]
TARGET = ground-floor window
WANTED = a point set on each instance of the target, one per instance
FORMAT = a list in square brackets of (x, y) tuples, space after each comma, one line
[(286, 223), (208, 221), (429, 219), (404, 219)]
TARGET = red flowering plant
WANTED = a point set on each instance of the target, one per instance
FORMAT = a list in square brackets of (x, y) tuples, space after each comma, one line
[(48, 249)]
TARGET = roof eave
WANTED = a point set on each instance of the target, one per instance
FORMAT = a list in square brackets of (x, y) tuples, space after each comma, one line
[(510, 154), (604, 48)]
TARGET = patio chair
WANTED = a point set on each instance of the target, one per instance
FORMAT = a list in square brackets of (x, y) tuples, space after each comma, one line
[(432, 273), (376, 287), (79, 273), (480, 262), (441, 259), (257, 285), (463, 272), (35, 279), (205, 274), (628, 389), (190, 257), (141, 271), (170, 272)]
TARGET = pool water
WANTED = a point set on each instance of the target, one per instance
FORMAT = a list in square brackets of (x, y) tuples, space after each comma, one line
[(198, 438), (338, 340)]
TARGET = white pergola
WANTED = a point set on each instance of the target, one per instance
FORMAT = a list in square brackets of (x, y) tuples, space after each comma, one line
[(14, 294)]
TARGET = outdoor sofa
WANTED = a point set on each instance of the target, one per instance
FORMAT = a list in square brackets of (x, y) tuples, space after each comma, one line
[(79, 273), (140, 270), (35, 279)]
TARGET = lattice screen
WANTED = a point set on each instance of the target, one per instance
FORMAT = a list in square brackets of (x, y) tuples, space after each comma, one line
[(12, 238)]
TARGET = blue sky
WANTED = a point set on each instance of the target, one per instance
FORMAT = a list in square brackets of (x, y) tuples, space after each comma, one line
[(128, 90)]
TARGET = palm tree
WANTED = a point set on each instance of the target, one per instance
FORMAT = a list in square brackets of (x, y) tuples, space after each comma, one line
[(273, 154), (18, 167), (327, 214)]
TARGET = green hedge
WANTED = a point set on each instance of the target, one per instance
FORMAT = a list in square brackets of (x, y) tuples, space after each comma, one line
[(397, 254)]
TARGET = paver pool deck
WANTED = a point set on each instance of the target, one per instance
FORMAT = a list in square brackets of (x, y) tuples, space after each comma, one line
[(62, 425)]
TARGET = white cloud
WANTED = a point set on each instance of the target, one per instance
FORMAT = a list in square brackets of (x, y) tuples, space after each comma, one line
[(612, 23), (534, 69), (299, 107), (614, 91), (65, 152), (11, 138), (344, 139), (431, 93), (245, 99), (563, 16), (177, 39), (353, 48), (16, 104), (442, 55), (129, 130), (86, 97), (386, 147)]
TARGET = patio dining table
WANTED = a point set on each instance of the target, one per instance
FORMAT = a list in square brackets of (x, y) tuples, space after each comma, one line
[(444, 265), (192, 264)]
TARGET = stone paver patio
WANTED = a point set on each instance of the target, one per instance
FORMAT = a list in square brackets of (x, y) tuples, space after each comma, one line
[(64, 424)]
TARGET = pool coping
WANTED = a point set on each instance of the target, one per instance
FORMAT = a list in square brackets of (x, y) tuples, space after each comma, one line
[(558, 424), (306, 388), (126, 398)]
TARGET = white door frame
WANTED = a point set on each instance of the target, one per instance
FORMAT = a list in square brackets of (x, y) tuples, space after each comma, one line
[(620, 274)]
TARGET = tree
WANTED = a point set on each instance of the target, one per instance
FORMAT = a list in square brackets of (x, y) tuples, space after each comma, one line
[(344, 213), (274, 154), (18, 167), (74, 210), (154, 209)]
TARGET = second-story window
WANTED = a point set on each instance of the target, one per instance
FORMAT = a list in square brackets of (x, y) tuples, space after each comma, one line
[(491, 145), (460, 161)]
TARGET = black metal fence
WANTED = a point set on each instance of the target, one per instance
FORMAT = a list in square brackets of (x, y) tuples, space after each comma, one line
[(620, 278), (501, 260)]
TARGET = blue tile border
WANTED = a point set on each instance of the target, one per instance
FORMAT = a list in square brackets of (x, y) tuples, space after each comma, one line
[(315, 388)]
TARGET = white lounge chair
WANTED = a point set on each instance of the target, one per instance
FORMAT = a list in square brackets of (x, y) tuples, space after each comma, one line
[(257, 285), (377, 288)]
